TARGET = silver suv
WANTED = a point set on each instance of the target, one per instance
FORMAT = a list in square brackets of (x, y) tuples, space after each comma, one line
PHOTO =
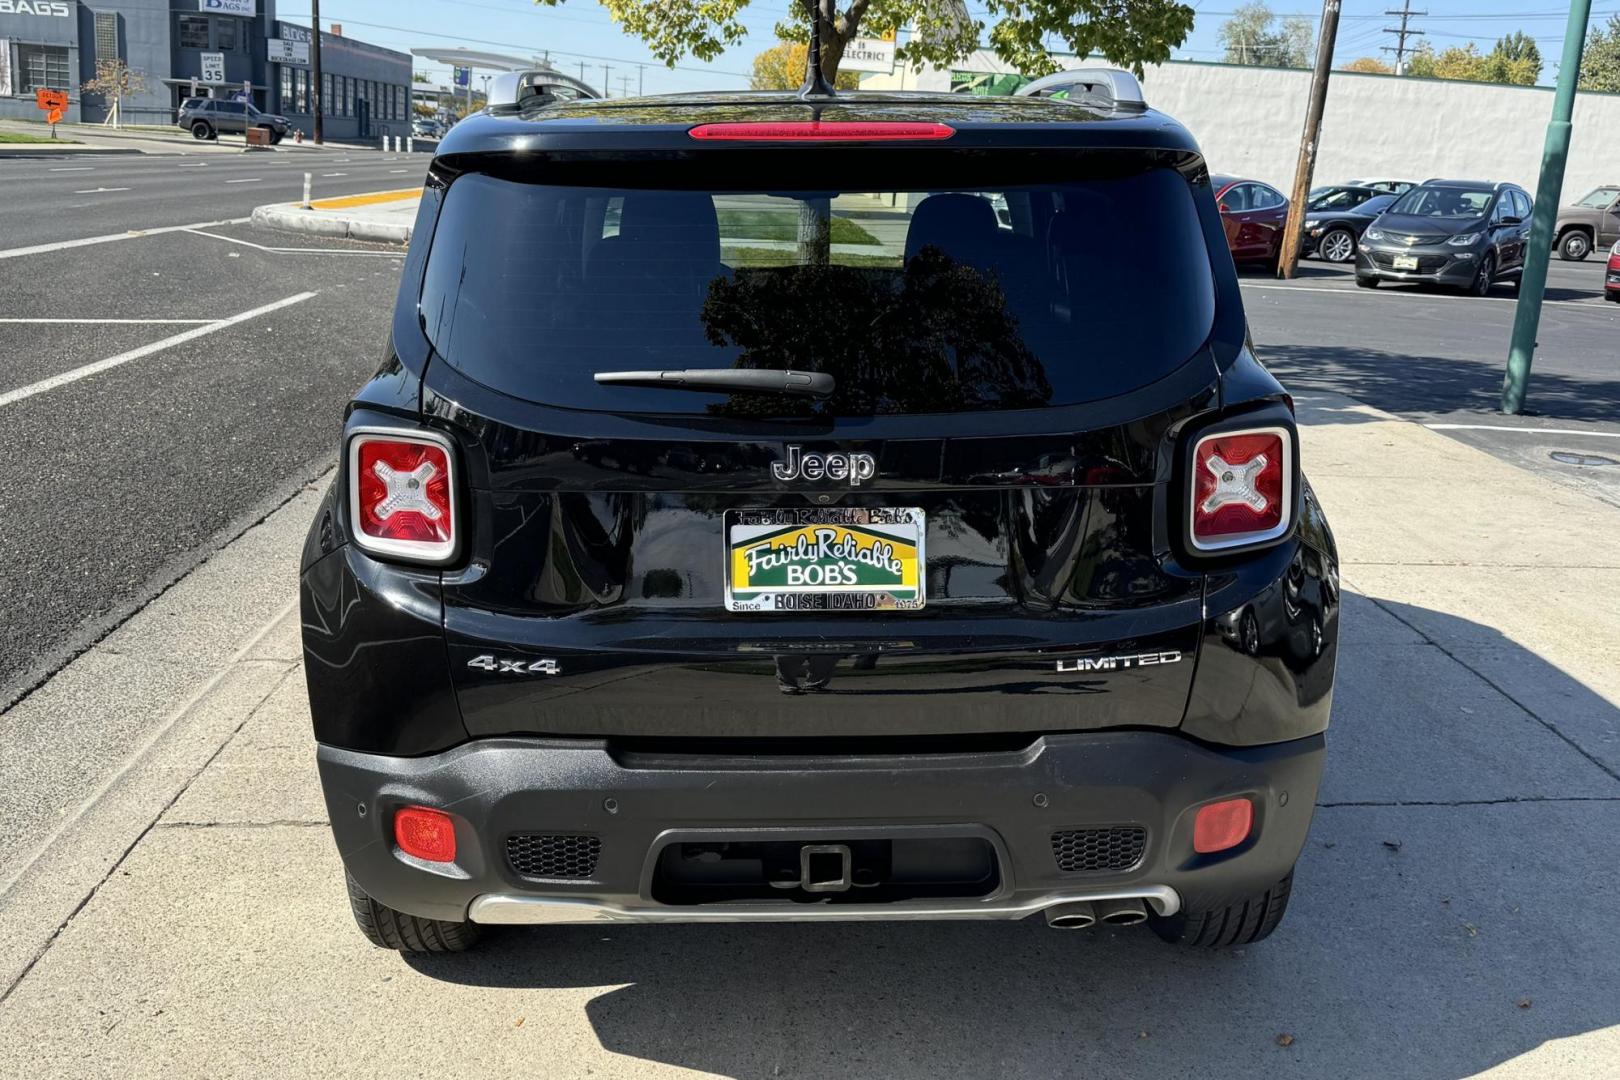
[(207, 118)]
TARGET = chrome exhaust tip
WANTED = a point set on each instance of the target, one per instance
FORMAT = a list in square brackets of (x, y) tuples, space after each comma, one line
[(1075, 916), (1121, 912)]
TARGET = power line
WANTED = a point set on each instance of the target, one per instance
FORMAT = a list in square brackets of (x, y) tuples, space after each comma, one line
[(1400, 50)]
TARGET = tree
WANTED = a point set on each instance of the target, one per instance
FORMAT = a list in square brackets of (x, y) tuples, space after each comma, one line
[(1252, 36), (781, 67), (1369, 65), (116, 80), (1600, 61), (1126, 32), (1515, 59)]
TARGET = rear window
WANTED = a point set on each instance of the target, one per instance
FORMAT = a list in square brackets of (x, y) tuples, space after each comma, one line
[(928, 300)]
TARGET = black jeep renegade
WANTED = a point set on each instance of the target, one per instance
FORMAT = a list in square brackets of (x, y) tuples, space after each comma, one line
[(851, 508)]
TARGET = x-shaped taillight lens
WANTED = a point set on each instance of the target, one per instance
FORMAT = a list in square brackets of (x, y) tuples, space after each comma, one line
[(402, 495), (1242, 488)]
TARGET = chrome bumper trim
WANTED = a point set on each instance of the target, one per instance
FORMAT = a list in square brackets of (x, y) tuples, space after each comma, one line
[(507, 909)]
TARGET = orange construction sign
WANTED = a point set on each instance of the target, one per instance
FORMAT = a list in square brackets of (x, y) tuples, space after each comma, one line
[(54, 103)]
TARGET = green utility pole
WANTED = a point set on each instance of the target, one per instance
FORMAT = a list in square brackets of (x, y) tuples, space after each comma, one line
[(1533, 282)]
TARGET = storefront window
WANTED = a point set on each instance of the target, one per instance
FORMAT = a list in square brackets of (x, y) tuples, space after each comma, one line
[(43, 67), (286, 88), (193, 31), (348, 96), (302, 86), (327, 104), (225, 35)]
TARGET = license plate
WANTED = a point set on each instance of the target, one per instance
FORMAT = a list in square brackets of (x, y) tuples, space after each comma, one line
[(825, 559), (1406, 262)]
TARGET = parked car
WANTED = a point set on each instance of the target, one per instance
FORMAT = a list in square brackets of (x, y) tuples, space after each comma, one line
[(1589, 223), (1340, 197), (1388, 187), (1611, 279), (896, 584), (1466, 234), (208, 118), (1253, 215), (1332, 234)]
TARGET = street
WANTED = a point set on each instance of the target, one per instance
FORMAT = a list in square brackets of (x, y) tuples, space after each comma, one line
[(170, 402)]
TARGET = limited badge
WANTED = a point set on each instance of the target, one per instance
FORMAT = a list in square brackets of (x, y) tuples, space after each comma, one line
[(825, 559)]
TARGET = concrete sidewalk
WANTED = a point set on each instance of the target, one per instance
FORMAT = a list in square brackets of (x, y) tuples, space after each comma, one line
[(1454, 914), (384, 216)]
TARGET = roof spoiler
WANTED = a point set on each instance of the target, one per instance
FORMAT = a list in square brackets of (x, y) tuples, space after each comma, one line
[(513, 88), (1107, 88)]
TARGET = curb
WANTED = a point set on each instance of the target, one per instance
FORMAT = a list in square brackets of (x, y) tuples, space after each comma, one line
[(322, 223)]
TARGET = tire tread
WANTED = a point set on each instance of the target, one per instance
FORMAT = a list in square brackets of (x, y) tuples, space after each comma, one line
[(389, 929), (1243, 923)]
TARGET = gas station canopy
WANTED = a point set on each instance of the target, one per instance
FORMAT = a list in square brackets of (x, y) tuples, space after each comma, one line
[(473, 58)]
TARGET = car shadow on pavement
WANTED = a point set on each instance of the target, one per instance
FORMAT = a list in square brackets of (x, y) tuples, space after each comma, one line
[(1454, 911), (1405, 383)]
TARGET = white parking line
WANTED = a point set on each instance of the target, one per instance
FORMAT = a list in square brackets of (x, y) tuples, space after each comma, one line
[(76, 168), (11, 397), (99, 190), (299, 251), (88, 241), (117, 322), (249, 180), (398, 170), (192, 165), (325, 175), (1523, 430)]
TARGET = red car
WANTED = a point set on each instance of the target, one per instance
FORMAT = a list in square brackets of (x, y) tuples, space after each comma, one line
[(1253, 215), (1611, 276)]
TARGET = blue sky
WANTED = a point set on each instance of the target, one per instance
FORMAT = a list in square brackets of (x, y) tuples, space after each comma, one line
[(581, 32)]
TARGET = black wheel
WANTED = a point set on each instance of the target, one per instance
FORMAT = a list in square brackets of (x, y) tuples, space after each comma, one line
[(1367, 282), (1249, 633), (275, 137), (389, 929), (201, 130), (1574, 245), (1242, 923), (1338, 246), (1486, 276)]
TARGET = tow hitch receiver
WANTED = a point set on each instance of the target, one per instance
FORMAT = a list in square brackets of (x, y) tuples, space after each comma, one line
[(825, 868)]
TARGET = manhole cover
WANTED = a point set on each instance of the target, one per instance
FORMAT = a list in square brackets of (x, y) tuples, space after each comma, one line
[(1569, 457)]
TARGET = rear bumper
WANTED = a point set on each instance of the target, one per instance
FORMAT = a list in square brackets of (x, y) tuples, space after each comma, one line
[(635, 804)]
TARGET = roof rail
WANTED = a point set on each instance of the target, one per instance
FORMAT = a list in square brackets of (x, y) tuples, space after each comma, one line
[(511, 88), (1106, 87)]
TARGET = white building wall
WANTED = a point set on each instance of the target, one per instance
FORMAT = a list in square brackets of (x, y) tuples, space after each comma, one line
[(1249, 120)]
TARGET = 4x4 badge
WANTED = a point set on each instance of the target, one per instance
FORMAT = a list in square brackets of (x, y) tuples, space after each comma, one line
[(517, 666), (851, 467)]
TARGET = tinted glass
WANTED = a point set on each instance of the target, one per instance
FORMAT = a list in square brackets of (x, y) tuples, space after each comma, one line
[(1600, 199), (1337, 198), (915, 301), (1445, 203), (1521, 205), (1376, 205), (1265, 198)]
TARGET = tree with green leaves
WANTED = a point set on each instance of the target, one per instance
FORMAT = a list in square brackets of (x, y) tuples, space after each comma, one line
[(1600, 61), (1512, 64), (1130, 33), (781, 67), (1516, 60), (1254, 37), (1368, 65)]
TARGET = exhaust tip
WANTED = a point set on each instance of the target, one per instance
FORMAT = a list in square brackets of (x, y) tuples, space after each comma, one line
[(1125, 917), (1070, 922)]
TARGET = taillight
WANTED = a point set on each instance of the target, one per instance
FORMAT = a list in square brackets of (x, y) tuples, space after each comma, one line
[(1222, 825), (425, 834), (1242, 488), (823, 131), (402, 495)]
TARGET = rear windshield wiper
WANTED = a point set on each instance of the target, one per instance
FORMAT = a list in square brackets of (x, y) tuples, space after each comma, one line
[(807, 383)]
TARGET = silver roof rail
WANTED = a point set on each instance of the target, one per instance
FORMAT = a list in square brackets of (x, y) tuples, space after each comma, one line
[(515, 87), (1108, 87)]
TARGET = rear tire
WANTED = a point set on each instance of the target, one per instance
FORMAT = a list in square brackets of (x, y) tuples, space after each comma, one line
[(1367, 282), (1574, 245), (201, 130), (1338, 246), (1242, 923), (389, 929)]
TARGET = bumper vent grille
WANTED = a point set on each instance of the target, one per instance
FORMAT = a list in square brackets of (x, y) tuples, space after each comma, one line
[(544, 855), (1118, 848)]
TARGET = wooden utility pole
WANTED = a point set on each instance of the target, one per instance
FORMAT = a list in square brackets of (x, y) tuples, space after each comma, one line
[(315, 66), (1288, 256)]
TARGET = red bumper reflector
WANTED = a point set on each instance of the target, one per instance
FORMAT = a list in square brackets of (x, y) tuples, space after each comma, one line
[(425, 834), (823, 131), (1222, 825)]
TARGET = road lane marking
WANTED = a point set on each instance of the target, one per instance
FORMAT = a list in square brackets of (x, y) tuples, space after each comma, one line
[(1590, 304), (11, 397), (391, 171), (99, 190), (192, 165), (249, 180), (76, 168), (115, 322), (1523, 430), (326, 175), (299, 251), (89, 241)]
